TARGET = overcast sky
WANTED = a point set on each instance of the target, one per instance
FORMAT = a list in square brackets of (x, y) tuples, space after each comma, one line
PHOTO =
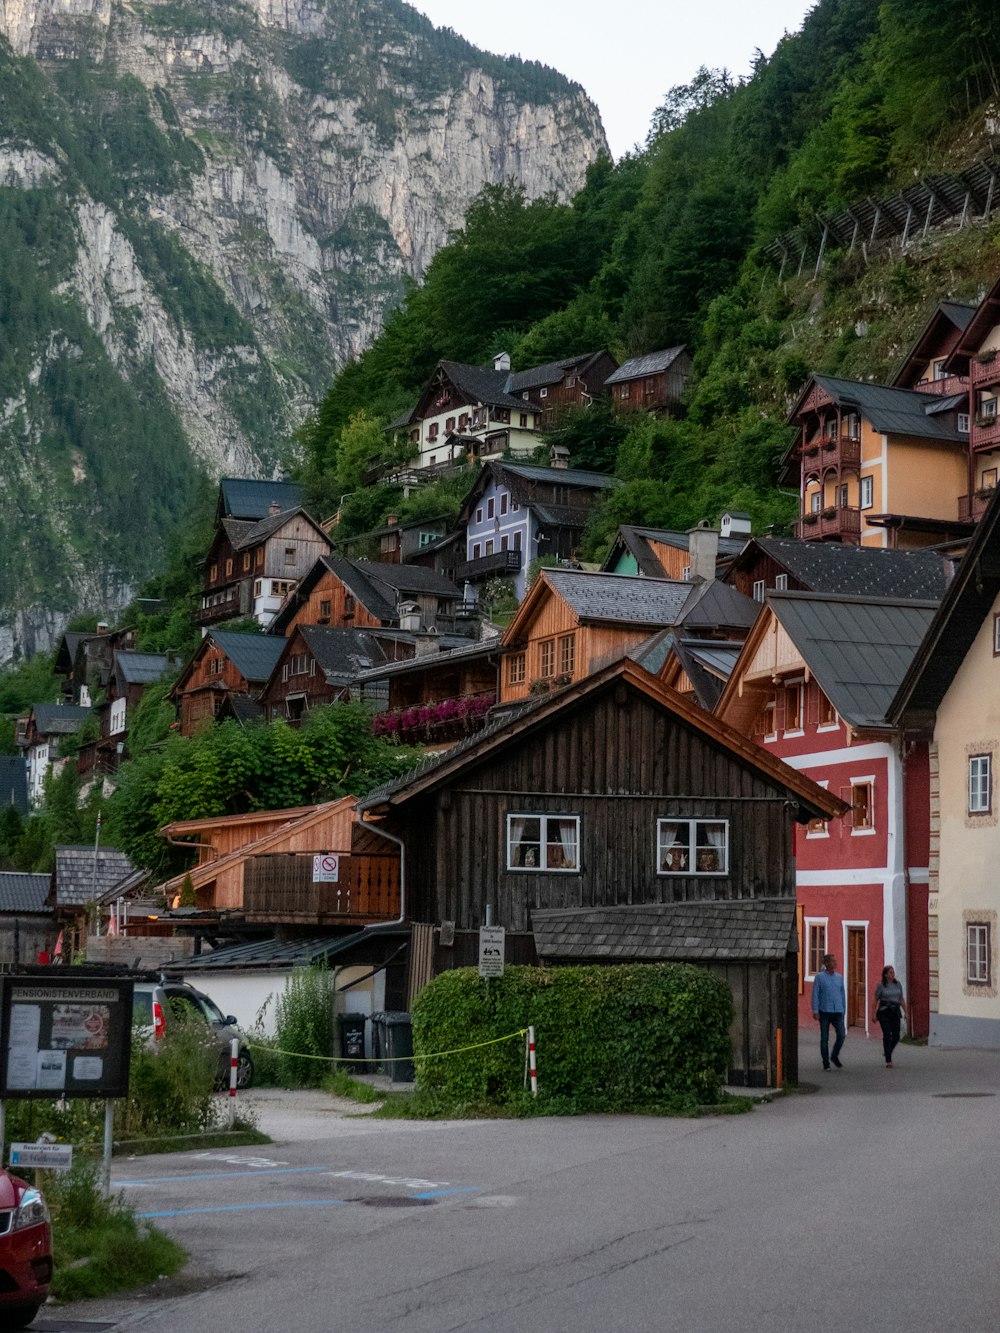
[(626, 53)]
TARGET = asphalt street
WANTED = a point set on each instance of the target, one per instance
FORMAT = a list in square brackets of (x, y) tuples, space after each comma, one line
[(868, 1204)]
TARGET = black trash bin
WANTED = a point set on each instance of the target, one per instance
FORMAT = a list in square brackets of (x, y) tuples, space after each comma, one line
[(352, 1042), (392, 1045)]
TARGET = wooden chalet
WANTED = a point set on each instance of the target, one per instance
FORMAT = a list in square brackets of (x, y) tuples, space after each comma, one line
[(363, 594), (251, 566), (517, 511), (466, 412), (26, 922), (260, 868), (878, 466), (130, 676), (572, 623), (80, 878), (976, 358), (782, 564), (84, 660), (613, 822), (651, 383), (253, 498), (924, 366), (225, 666), (40, 739), (657, 554), (320, 664), (573, 382)]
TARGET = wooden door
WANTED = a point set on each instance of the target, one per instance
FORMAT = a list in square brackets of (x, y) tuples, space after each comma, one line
[(856, 977)]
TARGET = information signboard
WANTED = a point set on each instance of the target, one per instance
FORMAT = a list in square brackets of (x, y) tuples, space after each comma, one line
[(491, 951), (326, 869), (64, 1037), (48, 1156)]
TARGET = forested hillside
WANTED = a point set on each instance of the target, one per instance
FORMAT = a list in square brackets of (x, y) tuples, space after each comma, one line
[(667, 246)]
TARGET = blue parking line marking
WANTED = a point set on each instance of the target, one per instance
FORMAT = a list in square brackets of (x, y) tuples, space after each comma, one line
[(245, 1207), (437, 1194), (216, 1175)]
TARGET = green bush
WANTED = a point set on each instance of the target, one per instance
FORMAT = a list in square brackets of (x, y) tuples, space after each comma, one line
[(608, 1038), (304, 1024), (171, 1089)]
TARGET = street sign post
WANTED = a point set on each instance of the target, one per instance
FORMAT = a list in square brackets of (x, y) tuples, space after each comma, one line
[(491, 951)]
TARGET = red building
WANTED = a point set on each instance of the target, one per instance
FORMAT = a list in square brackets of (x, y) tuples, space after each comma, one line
[(813, 686)]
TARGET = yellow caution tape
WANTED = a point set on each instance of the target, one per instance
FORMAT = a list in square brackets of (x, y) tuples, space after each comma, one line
[(381, 1060)]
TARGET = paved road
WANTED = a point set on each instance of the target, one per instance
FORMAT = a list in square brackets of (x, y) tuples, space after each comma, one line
[(871, 1204)]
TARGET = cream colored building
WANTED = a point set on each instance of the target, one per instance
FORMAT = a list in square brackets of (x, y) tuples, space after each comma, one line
[(952, 694)]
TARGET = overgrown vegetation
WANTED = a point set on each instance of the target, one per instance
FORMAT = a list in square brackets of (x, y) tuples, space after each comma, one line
[(626, 1038), (303, 1021)]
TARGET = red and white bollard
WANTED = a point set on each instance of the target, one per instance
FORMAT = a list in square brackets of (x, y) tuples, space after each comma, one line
[(234, 1064), (532, 1065)]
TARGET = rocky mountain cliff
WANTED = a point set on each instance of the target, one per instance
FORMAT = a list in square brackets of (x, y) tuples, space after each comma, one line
[(205, 209)]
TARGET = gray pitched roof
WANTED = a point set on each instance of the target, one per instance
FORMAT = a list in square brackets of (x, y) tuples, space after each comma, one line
[(620, 598), (433, 661), (712, 604), (81, 877), (253, 533), (708, 665), (562, 476), (650, 364), (752, 929), (253, 655), (481, 384), (858, 649), (834, 567), (958, 312), (551, 373), (14, 782), (342, 653), (263, 955), (248, 497), (143, 668), (409, 578), (23, 893), (892, 411), (59, 719)]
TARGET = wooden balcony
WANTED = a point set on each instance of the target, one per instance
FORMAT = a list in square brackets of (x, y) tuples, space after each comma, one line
[(944, 387), (985, 369), (279, 889), (499, 565), (985, 433), (834, 523), (820, 455), (971, 508), (227, 609)]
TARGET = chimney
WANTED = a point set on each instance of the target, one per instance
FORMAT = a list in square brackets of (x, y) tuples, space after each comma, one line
[(391, 520), (409, 617), (501, 361), (703, 550), (102, 627), (273, 508), (559, 456), (427, 641)]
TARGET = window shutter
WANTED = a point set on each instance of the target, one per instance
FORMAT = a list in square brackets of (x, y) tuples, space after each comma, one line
[(812, 704), (312, 666), (779, 710)]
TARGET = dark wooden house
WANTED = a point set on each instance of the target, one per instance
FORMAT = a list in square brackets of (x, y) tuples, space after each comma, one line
[(224, 666), (618, 801), (130, 676), (435, 697), (319, 665), (394, 544), (651, 383), (573, 382), (784, 564)]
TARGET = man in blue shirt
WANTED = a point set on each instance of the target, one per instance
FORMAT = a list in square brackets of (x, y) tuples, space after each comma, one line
[(830, 1007)]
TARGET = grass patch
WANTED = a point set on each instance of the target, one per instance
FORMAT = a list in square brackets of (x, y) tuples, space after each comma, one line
[(99, 1245), (341, 1084), (432, 1104)]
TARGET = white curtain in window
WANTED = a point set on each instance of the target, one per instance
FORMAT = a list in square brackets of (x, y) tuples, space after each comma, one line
[(516, 825), (673, 845), (567, 835)]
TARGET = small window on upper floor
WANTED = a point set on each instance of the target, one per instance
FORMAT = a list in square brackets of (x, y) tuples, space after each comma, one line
[(793, 707), (543, 393), (290, 555), (978, 953), (996, 636), (815, 500), (980, 784), (490, 507), (862, 806), (867, 492), (479, 515), (963, 423), (937, 369), (781, 582), (759, 589), (826, 714)]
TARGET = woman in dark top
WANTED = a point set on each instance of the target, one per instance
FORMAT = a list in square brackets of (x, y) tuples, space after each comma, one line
[(889, 1007)]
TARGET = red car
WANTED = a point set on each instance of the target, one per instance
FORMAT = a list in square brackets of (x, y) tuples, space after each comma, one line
[(25, 1251)]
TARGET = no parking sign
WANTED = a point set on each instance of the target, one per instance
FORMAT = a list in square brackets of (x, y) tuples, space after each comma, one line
[(326, 868)]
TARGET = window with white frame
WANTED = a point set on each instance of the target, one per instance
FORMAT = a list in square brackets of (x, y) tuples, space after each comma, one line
[(815, 500), (543, 393), (781, 582), (692, 846), (548, 843), (759, 588), (988, 408), (963, 423), (867, 492), (815, 943), (116, 721), (862, 805), (977, 953), (980, 784), (819, 828)]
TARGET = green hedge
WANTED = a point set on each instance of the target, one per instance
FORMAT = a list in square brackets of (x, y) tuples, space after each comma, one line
[(608, 1038)]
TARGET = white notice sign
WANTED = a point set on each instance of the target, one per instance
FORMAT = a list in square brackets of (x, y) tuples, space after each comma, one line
[(491, 951), (326, 869), (51, 1156)]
